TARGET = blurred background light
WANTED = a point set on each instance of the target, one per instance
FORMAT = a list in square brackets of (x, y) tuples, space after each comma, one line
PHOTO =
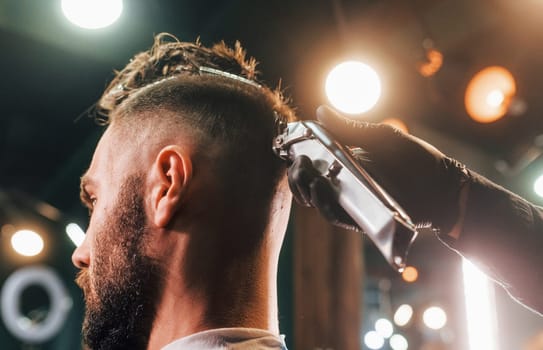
[(398, 342), (538, 186), (403, 315), (397, 123), (480, 308), (433, 63), (374, 340), (495, 98), (384, 327), (434, 317), (353, 87), (27, 243), (489, 94), (92, 14), (410, 274), (75, 233)]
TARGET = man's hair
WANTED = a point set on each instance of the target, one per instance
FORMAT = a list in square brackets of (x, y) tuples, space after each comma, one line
[(212, 95)]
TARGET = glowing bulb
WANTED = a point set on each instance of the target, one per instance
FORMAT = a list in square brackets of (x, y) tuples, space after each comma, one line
[(384, 327), (27, 243), (403, 315), (398, 342), (434, 317), (495, 98), (410, 274), (353, 87), (75, 233), (92, 14), (538, 186), (489, 94), (374, 340)]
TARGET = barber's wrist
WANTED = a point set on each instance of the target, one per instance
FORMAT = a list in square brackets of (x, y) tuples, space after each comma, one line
[(449, 222), (463, 203)]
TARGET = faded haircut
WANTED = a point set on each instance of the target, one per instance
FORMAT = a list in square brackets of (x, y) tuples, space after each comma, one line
[(171, 87), (169, 57)]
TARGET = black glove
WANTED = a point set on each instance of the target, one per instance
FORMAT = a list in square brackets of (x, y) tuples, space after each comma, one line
[(420, 178)]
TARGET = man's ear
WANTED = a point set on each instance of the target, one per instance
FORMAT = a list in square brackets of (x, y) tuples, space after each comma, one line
[(170, 175)]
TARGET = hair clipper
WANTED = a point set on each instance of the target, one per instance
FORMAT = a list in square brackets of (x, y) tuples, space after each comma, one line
[(375, 212)]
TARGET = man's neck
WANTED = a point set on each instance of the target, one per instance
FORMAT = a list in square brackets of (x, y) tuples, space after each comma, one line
[(241, 294), (222, 281)]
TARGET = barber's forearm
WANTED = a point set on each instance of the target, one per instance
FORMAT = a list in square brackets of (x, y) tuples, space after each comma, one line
[(503, 235)]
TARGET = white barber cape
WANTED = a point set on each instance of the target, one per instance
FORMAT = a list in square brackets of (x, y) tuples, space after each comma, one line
[(230, 339)]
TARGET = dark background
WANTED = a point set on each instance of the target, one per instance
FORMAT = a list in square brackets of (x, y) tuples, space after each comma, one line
[(51, 71)]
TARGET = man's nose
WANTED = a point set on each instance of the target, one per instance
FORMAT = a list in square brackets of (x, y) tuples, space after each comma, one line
[(81, 255)]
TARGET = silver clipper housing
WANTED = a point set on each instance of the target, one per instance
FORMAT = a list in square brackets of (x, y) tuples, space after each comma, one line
[(375, 211)]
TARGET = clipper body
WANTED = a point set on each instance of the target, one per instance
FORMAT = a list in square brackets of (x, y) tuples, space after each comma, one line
[(375, 212)]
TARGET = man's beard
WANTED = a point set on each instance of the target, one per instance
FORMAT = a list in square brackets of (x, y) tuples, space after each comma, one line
[(123, 287)]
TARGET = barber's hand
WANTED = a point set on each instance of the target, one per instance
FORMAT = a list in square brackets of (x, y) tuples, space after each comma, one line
[(419, 177)]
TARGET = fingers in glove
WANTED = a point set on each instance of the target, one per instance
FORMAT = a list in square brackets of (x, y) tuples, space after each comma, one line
[(300, 176), (370, 136), (324, 198)]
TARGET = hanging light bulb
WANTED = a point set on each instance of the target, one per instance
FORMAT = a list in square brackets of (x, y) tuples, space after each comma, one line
[(92, 14), (489, 94), (353, 87)]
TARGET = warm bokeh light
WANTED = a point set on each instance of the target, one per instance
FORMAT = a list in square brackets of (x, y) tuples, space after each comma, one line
[(353, 87), (410, 274), (397, 123), (434, 317), (384, 327), (434, 61), (92, 14), (489, 94), (75, 233), (538, 186), (27, 243), (398, 342), (480, 308), (495, 98), (374, 340), (403, 315)]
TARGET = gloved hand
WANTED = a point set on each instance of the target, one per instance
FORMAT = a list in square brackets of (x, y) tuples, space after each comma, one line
[(424, 181)]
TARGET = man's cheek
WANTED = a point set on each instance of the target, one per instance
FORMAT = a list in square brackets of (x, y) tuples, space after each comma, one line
[(107, 271)]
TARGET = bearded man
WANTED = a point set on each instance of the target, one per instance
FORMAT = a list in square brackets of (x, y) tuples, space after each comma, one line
[(188, 204)]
